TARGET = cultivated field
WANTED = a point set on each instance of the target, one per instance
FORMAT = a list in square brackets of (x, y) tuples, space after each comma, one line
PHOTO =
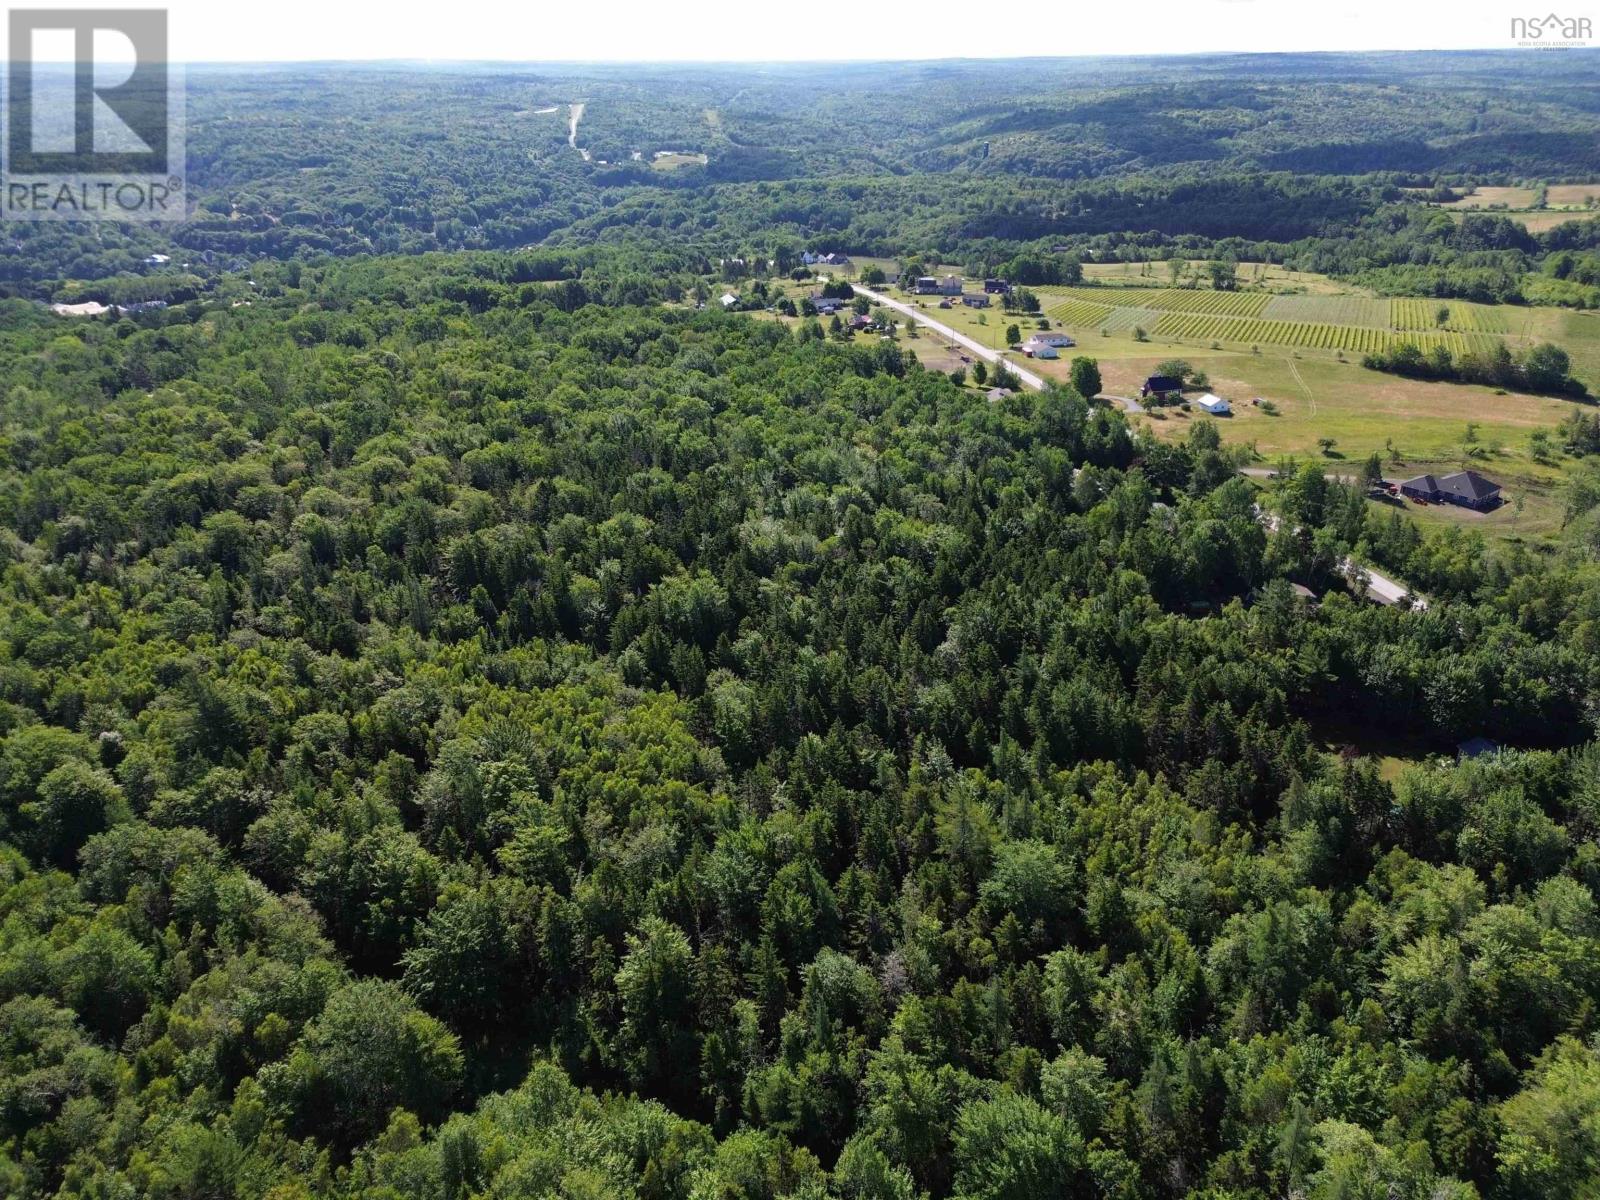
[(1535, 220), (1339, 323), (1489, 197), (1571, 195)]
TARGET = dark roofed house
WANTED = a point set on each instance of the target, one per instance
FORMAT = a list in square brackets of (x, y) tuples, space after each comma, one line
[(1161, 385), (1476, 748), (1423, 487), (1470, 489), (1465, 488)]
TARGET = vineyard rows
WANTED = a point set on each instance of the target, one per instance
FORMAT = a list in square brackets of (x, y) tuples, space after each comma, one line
[(1464, 317), (1309, 334), (1353, 324), (1329, 310), (1122, 320), (1080, 312), (1116, 297), (1230, 304)]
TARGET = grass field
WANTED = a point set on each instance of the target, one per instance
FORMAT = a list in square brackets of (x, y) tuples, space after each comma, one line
[(1489, 197), (1156, 275), (1571, 195), (1422, 425), (671, 160), (1563, 202), (1538, 220)]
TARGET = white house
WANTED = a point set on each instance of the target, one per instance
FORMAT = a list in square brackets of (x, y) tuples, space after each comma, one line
[(1057, 340), (1034, 348), (1215, 405), (729, 299), (157, 260)]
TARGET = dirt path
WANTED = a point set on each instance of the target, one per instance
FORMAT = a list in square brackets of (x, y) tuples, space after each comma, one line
[(1295, 371), (575, 115), (1379, 585)]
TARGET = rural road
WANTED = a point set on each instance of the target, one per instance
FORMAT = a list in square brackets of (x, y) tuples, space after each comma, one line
[(1028, 378), (1380, 585)]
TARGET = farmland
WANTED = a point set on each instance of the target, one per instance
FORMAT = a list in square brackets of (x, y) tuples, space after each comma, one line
[(1338, 323), (1561, 202), (1494, 197), (1299, 349), (1572, 195)]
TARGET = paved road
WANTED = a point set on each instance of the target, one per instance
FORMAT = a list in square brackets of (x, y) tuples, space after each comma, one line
[(1029, 379), (1129, 404)]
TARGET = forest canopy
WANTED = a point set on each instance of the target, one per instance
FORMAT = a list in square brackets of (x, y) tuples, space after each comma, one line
[(458, 737)]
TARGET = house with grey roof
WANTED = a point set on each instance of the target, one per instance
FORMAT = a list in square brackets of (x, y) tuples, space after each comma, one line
[(1467, 489)]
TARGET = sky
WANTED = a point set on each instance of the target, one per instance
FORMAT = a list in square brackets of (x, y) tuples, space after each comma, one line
[(749, 30)]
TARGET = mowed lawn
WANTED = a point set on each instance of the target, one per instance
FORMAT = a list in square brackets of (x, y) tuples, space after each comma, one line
[(1423, 424)]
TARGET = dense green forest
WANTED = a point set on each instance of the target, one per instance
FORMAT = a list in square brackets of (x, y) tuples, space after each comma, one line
[(468, 734), (1302, 159)]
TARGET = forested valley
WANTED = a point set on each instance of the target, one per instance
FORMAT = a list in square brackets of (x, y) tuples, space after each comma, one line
[(1320, 162), (464, 733)]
